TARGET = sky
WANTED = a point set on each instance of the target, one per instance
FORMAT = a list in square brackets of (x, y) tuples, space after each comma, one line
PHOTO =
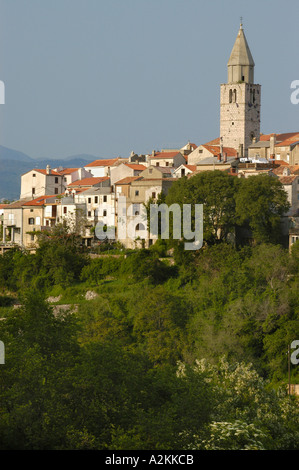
[(107, 77)]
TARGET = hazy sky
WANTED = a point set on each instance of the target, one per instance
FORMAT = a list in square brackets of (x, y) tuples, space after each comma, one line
[(106, 77)]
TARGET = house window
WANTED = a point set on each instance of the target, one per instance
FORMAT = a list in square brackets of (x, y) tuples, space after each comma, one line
[(96, 199), (56, 179), (31, 210), (136, 193), (65, 210), (37, 220), (105, 199), (34, 175), (56, 191), (89, 213), (32, 237), (139, 227), (33, 191), (166, 163), (89, 200), (157, 164), (31, 221), (104, 213), (153, 195)]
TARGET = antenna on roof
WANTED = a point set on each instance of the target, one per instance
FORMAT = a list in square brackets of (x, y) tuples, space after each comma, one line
[(241, 22)]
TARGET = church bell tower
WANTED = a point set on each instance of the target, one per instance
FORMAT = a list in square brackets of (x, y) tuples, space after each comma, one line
[(240, 100)]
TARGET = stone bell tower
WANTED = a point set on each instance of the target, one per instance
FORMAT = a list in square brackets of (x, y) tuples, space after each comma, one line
[(240, 100)]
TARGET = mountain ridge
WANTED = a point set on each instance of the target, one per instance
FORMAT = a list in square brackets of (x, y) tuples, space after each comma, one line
[(14, 163)]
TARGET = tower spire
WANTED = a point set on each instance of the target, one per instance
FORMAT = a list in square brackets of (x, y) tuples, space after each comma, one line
[(241, 64)]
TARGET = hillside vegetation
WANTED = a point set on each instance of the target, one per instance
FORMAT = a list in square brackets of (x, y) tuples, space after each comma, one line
[(191, 355)]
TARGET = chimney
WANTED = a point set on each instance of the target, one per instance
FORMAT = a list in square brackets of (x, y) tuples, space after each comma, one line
[(153, 153), (241, 151), (48, 170), (272, 145)]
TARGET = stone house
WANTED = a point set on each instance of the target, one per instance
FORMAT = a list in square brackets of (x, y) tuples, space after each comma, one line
[(33, 221), (101, 167), (39, 182), (277, 147), (167, 159), (124, 170), (184, 170)]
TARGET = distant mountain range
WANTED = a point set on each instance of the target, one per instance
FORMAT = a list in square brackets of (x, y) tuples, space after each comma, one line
[(14, 163)]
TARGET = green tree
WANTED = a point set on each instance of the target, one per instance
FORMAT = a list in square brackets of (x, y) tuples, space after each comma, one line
[(261, 201), (215, 190)]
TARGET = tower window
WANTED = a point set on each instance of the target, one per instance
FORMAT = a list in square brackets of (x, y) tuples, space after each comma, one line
[(230, 95), (235, 96)]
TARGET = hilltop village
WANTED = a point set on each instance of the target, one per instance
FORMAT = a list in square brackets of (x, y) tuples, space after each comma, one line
[(89, 196)]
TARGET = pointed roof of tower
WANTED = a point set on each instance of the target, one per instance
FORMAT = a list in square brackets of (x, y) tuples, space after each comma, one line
[(241, 54)]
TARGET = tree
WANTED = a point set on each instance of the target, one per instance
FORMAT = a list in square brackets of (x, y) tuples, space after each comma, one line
[(215, 190), (261, 201)]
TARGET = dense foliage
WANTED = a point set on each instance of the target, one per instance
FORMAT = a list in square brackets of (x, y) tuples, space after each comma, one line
[(180, 352)]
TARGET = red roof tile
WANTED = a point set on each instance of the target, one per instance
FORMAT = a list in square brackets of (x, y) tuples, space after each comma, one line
[(191, 167), (39, 201), (214, 142), (89, 181), (104, 162), (127, 180), (165, 155), (67, 171), (44, 172), (136, 166), (215, 150), (287, 179), (294, 169)]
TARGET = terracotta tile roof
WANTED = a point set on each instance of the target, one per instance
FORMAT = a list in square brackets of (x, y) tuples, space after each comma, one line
[(282, 140), (104, 162), (127, 180), (214, 142), (280, 162), (136, 166), (191, 167), (17, 204), (2, 206), (158, 180), (288, 142), (39, 201), (287, 179), (44, 172), (89, 181), (294, 169), (215, 150), (165, 155), (68, 171)]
